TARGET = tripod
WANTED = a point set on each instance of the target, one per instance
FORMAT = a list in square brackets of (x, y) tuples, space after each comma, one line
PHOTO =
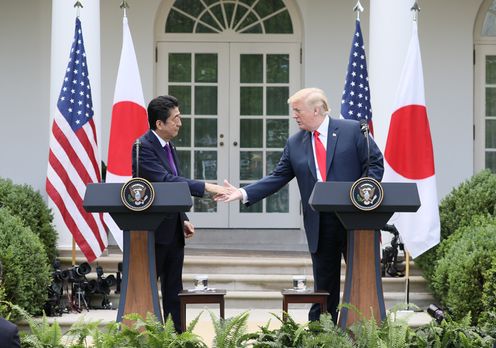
[(78, 298)]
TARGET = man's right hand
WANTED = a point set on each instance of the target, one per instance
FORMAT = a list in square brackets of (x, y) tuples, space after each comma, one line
[(231, 193)]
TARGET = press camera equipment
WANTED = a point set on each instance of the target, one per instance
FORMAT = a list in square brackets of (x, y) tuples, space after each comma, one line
[(54, 306), (436, 312), (101, 286), (118, 278), (77, 276), (390, 263)]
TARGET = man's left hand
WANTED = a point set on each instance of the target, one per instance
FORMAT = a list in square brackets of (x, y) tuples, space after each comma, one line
[(189, 229)]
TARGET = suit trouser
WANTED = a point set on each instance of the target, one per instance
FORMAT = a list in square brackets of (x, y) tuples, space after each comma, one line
[(326, 262), (169, 259)]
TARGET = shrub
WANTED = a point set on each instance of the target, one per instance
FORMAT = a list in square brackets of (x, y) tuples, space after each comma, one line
[(488, 316), (473, 197), (29, 206), (461, 273), (26, 271)]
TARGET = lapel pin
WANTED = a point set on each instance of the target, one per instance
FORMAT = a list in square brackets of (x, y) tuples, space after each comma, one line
[(333, 134)]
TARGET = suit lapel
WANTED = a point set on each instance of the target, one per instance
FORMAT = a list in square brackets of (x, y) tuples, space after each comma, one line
[(159, 150), (332, 139), (307, 147)]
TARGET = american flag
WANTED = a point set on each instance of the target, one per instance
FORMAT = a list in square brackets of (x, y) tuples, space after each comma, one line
[(73, 160), (355, 104)]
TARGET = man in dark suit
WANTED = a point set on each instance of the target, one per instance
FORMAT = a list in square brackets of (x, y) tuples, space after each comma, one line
[(9, 334), (158, 162), (324, 149)]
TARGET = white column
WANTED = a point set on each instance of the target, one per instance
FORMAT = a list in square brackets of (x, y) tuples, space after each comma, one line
[(63, 25), (389, 35)]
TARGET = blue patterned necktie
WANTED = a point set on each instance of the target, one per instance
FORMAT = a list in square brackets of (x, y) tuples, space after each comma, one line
[(170, 158)]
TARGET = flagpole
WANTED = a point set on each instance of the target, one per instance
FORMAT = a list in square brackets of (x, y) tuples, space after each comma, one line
[(358, 8), (416, 10), (78, 5), (407, 279), (124, 6)]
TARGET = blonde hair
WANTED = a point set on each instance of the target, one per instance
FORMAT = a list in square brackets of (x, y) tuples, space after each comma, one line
[(313, 97)]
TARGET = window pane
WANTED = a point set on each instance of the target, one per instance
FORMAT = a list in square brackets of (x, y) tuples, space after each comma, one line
[(250, 166), (277, 133), (206, 132), (251, 18), (178, 23), (200, 28), (192, 7), (256, 29), (251, 68), (490, 69), (279, 24), (279, 201), (265, 8), (183, 139), (208, 19), (251, 133), (205, 67), (206, 165), (204, 205), (489, 26), (491, 161), (278, 68), (184, 158), (490, 101), (205, 100), (251, 102), (273, 158), (255, 208), (277, 101), (229, 8), (491, 134), (183, 95), (240, 12), (179, 67), (217, 11)]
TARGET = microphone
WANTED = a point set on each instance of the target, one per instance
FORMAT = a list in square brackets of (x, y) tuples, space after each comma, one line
[(136, 147), (364, 128)]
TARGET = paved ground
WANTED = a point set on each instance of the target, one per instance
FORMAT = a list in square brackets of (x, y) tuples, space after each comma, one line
[(204, 328)]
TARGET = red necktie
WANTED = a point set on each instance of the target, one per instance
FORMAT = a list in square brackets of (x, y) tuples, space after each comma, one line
[(320, 153)]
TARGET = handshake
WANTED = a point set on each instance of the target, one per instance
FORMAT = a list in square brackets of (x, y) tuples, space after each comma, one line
[(225, 193)]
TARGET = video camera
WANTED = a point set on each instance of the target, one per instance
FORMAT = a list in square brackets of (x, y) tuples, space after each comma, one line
[(101, 286), (390, 263)]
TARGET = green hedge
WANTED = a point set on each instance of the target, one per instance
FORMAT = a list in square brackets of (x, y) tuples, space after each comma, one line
[(476, 196), (29, 205), (26, 274), (462, 275)]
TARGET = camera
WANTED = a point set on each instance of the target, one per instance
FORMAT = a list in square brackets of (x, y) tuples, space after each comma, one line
[(101, 286), (390, 264), (53, 306), (436, 312)]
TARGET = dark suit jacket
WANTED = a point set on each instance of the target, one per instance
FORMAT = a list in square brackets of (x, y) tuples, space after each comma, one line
[(154, 167), (9, 334), (346, 161)]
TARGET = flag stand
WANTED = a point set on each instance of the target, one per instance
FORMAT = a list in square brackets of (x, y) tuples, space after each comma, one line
[(73, 253), (407, 279)]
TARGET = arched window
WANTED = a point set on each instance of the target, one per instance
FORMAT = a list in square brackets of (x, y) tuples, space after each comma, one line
[(217, 16), (485, 87)]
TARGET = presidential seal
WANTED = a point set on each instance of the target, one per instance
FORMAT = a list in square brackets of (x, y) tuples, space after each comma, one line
[(366, 193), (137, 194)]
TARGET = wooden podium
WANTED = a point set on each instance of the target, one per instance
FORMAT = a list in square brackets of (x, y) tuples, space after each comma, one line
[(139, 293), (363, 284)]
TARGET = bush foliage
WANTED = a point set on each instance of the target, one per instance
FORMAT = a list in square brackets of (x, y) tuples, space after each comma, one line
[(26, 273), (29, 206)]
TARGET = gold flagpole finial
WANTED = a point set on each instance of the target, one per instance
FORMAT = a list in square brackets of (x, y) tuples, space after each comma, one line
[(358, 8), (416, 10)]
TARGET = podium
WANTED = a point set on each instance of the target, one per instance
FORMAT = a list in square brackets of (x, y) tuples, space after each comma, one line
[(363, 282), (139, 293)]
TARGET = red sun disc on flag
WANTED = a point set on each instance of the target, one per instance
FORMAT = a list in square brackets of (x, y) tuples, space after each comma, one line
[(409, 144)]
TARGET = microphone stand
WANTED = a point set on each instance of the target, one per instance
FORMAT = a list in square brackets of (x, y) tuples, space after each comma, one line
[(364, 128), (137, 146)]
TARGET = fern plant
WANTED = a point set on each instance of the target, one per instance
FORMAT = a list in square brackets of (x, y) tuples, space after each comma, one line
[(229, 332), (290, 334), (325, 333)]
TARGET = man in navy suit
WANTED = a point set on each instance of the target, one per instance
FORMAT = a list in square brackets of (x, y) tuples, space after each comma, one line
[(158, 162), (324, 149), (9, 334)]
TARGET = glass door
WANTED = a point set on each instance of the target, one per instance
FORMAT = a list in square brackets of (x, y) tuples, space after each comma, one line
[(197, 75), (485, 108), (262, 77)]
